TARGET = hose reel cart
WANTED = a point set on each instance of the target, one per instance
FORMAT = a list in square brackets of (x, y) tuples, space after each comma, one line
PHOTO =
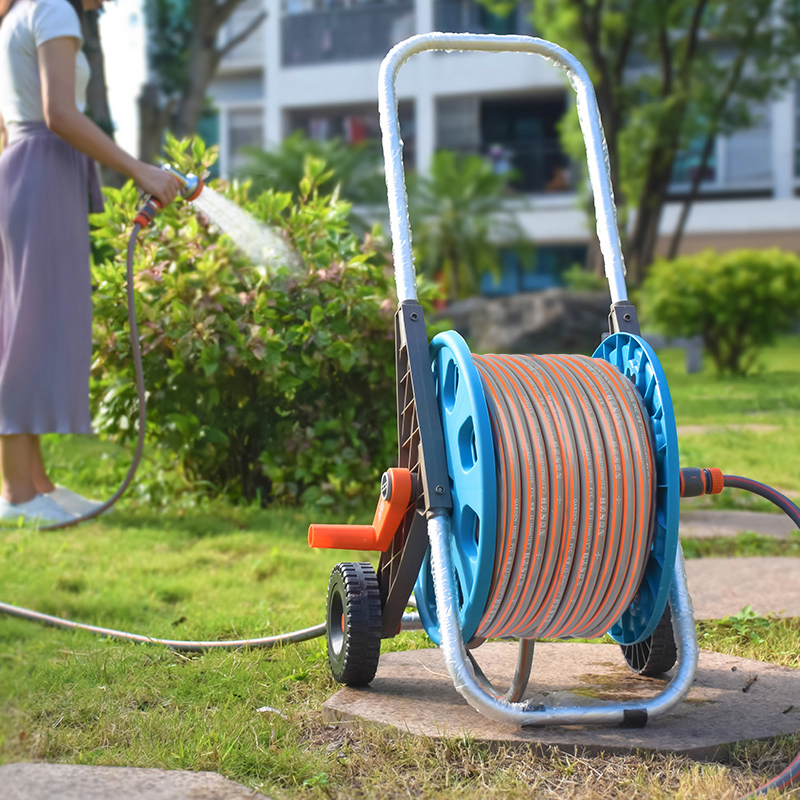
[(535, 496)]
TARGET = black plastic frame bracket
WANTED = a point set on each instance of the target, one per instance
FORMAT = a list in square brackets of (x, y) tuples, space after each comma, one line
[(421, 451), (623, 318)]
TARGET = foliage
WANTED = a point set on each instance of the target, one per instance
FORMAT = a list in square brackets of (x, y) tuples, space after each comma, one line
[(355, 170), (455, 222), (169, 31), (666, 75), (737, 301), (184, 50), (579, 279), (273, 383)]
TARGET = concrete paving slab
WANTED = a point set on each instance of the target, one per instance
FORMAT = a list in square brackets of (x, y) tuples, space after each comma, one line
[(732, 699), (80, 782), (705, 524), (720, 587)]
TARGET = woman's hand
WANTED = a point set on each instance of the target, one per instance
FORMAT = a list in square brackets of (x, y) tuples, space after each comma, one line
[(157, 182)]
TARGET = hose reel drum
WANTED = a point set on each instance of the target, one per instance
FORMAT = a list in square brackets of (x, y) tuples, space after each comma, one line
[(542, 491)]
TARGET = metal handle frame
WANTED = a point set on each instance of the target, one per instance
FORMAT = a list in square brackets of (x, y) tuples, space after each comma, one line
[(474, 687), (588, 115), (500, 709)]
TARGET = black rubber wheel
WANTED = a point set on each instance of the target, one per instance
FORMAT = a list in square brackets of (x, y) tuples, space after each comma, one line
[(655, 655), (354, 623)]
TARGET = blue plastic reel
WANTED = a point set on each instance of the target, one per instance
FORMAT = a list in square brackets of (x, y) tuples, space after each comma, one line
[(637, 361), (470, 464)]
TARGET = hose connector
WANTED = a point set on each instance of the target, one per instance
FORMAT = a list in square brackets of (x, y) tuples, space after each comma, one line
[(695, 481), (191, 186)]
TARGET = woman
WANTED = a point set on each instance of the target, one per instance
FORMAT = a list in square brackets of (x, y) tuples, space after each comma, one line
[(45, 285)]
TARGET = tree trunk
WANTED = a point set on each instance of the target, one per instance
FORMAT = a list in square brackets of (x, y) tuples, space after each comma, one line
[(203, 65), (153, 121), (658, 177), (694, 191), (644, 236), (97, 106)]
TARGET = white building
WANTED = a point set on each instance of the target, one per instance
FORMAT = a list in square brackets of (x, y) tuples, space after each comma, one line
[(313, 65)]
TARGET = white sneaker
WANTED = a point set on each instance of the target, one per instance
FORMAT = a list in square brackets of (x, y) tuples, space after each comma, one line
[(72, 502), (42, 510)]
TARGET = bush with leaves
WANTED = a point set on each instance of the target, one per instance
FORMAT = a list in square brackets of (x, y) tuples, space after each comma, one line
[(278, 383), (738, 302)]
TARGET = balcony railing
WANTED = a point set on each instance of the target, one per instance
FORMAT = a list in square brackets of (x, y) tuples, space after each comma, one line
[(345, 34), (467, 16), (534, 168)]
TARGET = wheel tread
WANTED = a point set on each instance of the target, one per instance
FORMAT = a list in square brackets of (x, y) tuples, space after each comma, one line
[(357, 662)]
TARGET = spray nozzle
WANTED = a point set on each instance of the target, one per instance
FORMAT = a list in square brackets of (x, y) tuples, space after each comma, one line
[(191, 186)]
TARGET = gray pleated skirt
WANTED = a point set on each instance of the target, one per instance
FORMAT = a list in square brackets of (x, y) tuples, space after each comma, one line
[(45, 286)]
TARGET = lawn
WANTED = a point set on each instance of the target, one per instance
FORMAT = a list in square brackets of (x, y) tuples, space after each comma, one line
[(750, 426), (212, 571)]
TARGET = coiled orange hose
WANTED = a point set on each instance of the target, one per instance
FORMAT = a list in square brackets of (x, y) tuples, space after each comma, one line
[(576, 484)]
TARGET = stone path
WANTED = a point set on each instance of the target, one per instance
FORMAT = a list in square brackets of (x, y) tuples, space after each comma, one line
[(73, 782), (721, 587), (731, 699), (706, 524)]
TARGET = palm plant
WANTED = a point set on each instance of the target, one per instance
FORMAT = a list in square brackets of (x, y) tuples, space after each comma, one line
[(458, 221), (355, 169)]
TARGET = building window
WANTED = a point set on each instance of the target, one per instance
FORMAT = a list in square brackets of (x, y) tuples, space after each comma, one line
[(518, 135), (460, 16), (687, 164), (245, 129), (354, 125), (543, 268), (317, 31), (747, 154), (208, 131)]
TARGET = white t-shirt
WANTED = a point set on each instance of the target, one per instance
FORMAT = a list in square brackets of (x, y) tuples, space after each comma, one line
[(28, 25)]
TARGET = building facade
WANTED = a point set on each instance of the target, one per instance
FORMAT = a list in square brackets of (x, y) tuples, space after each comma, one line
[(313, 65)]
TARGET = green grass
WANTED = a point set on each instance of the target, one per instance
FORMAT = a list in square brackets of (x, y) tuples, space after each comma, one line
[(210, 571), (219, 572), (768, 398), (746, 545)]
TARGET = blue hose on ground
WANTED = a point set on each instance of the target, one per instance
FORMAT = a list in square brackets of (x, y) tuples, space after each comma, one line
[(792, 772)]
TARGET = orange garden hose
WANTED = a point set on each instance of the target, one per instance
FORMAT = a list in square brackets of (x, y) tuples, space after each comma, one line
[(576, 495)]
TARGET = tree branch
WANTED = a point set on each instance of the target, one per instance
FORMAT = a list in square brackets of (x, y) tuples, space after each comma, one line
[(223, 12), (691, 40), (666, 60), (239, 38), (627, 41)]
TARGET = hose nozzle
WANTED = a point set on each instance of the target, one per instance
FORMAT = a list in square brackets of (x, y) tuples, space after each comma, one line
[(191, 186)]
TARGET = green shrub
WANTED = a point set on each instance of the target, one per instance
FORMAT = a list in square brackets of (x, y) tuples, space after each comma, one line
[(277, 386), (579, 279), (737, 301)]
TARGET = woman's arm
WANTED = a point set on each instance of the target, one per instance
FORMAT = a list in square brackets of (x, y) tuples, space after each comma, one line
[(3, 134), (57, 72)]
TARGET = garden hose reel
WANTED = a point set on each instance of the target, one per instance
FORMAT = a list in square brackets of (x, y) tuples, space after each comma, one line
[(535, 496)]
